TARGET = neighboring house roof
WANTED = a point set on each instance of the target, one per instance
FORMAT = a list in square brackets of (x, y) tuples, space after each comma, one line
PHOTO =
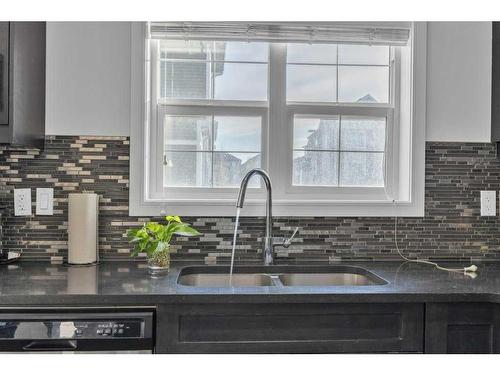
[(367, 99)]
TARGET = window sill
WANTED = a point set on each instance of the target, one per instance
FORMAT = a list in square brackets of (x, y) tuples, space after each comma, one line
[(295, 208)]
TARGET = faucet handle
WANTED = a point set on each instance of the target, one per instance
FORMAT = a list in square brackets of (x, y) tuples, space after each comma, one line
[(288, 241)]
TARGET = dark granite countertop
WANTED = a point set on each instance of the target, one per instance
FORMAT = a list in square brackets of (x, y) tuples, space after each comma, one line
[(128, 283)]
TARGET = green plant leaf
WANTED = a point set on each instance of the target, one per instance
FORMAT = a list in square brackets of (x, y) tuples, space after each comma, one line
[(135, 252), (173, 218), (186, 230), (151, 247), (155, 237), (154, 227), (132, 233)]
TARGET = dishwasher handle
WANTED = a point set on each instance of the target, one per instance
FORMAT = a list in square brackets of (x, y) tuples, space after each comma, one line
[(51, 345)]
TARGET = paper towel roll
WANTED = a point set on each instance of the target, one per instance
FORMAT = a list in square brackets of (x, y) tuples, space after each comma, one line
[(82, 228)]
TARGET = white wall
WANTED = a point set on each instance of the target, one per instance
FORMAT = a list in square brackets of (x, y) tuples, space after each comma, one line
[(88, 78), (459, 81)]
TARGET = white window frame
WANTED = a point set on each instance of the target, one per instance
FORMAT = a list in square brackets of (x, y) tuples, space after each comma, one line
[(287, 200)]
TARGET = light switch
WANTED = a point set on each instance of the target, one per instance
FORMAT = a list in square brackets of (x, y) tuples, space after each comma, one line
[(44, 201), (22, 202), (488, 203)]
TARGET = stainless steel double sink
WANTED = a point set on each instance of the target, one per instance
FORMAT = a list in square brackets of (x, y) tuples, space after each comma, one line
[(277, 276)]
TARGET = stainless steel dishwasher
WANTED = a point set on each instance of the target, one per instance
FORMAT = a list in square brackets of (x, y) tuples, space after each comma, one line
[(74, 332)]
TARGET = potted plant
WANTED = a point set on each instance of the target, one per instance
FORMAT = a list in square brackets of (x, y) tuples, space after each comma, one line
[(154, 240)]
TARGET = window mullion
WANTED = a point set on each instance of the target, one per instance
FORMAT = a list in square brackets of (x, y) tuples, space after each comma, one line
[(339, 154), (393, 133), (279, 135), (155, 142), (212, 149)]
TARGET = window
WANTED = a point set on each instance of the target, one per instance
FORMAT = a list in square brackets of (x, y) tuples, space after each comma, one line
[(210, 151), (207, 141), (212, 70), (331, 123), (338, 151)]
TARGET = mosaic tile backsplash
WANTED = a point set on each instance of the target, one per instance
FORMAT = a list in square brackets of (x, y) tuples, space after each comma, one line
[(451, 229)]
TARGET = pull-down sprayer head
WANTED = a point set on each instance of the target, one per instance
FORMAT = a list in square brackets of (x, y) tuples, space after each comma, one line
[(244, 183)]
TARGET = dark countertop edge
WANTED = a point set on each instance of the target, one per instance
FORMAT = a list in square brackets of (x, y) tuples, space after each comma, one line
[(154, 300)]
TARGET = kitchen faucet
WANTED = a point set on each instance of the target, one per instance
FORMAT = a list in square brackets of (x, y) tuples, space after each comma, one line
[(268, 241)]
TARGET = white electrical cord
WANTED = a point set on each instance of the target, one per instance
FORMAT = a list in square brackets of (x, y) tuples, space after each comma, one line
[(471, 269)]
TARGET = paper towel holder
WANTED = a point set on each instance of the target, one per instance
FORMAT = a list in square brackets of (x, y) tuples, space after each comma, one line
[(83, 229)]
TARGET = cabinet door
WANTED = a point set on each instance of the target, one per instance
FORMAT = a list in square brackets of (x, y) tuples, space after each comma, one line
[(290, 328), (4, 73), (462, 328)]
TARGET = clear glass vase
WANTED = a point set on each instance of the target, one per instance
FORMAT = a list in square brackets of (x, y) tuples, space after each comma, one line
[(159, 263)]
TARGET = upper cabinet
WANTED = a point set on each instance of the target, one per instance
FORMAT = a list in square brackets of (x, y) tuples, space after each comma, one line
[(22, 83), (458, 82)]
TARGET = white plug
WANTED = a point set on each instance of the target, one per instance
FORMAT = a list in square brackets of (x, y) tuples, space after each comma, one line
[(472, 268)]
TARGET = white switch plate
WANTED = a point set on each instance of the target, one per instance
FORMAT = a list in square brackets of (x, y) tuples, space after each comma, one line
[(488, 203), (22, 202), (45, 201)]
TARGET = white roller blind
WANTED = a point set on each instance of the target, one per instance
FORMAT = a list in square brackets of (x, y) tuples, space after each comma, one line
[(375, 33)]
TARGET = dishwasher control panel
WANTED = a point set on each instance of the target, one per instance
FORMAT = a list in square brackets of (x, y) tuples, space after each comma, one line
[(114, 328), (80, 327)]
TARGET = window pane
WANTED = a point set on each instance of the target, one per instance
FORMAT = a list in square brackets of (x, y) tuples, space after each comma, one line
[(241, 51), (362, 134), (230, 168), (184, 79), (316, 133), (237, 133), (315, 168), (361, 169), (309, 83), (188, 169), (184, 49), (239, 81), (363, 84), (363, 55), (188, 133), (312, 53)]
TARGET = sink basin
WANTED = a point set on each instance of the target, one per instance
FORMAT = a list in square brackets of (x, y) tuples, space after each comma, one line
[(277, 276), (221, 280), (322, 279)]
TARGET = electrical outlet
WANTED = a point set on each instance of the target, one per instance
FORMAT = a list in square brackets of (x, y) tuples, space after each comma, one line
[(22, 202), (488, 203), (45, 201)]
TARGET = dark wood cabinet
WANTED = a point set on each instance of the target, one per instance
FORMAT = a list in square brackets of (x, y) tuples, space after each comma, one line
[(290, 328), (22, 83), (462, 328), (4, 73), (495, 84), (329, 328)]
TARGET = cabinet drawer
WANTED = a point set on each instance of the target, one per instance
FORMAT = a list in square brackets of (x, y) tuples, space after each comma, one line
[(295, 328), (462, 328)]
